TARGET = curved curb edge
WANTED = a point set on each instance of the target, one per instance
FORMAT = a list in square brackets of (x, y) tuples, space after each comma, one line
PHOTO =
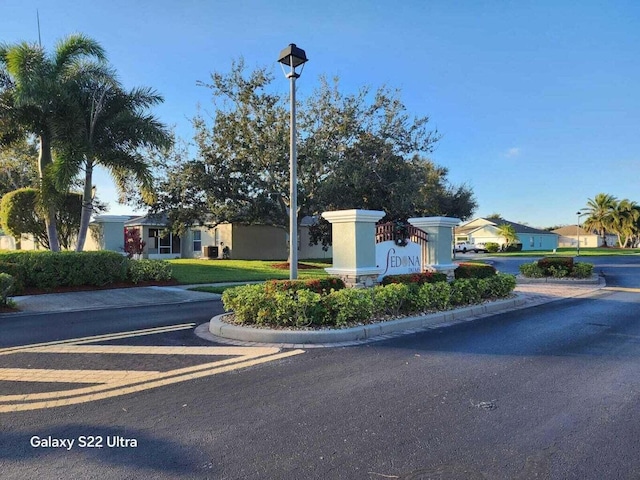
[(221, 329)]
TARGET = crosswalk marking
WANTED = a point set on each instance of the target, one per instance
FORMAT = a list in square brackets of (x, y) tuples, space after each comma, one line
[(99, 384)]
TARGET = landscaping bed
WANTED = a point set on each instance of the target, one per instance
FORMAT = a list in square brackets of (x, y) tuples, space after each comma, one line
[(311, 305)]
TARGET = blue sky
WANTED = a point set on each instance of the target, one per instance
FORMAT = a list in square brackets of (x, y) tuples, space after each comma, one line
[(537, 101)]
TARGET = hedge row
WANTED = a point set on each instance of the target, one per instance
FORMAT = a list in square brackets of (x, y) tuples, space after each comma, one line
[(255, 304), (49, 270), (558, 267)]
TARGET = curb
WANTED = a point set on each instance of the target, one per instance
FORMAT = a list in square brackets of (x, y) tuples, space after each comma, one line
[(594, 280), (224, 330)]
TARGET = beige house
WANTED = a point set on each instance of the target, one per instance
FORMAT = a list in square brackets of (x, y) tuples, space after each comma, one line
[(569, 235), (244, 242), (106, 232)]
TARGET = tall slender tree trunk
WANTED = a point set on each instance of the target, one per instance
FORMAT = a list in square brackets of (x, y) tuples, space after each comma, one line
[(87, 205), (45, 160)]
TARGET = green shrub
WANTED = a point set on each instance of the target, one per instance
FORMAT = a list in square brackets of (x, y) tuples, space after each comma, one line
[(499, 286), (464, 291), (7, 282), (391, 299), (531, 270), (474, 270), (492, 247), (582, 270), (296, 308), (17, 272), (514, 247), (433, 296), (149, 270), (247, 302), (564, 263), (558, 271), (349, 305), (48, 270), (417, 278)]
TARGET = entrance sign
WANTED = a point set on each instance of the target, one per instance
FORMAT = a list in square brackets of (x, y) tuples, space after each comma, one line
[(400, 248), (394, 260), (364, 252)]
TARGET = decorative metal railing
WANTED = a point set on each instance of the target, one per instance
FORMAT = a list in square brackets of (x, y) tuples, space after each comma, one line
[(401, 234)]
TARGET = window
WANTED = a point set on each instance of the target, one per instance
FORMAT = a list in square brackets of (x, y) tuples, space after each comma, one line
[(197, 240), (169, 243)]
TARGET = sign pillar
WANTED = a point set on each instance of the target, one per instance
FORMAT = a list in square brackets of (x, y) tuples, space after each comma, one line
[(440, 246), (354, 245)]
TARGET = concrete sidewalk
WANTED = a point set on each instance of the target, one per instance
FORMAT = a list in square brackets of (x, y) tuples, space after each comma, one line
[(112, 298)]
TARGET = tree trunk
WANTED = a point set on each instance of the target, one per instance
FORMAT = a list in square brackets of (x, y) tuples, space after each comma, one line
[(87, 205), (48, 191)]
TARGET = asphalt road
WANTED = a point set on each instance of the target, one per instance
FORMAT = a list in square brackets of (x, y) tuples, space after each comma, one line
[(547, 392)]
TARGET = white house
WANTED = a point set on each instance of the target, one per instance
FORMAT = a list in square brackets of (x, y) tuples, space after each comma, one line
[(568, 237)]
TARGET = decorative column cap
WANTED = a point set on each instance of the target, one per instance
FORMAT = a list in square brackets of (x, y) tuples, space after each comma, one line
[(434, 222), (350, 216)]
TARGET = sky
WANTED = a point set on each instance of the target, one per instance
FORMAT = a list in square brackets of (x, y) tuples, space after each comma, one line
[(537, 102)]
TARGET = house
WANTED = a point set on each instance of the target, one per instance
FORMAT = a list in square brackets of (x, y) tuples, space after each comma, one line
[(568, 237), (106, 232), (245, 242), (485, 230)]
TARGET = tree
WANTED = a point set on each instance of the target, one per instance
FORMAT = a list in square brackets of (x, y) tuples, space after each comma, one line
[(111, 127), (18, 167), (35, 97), (624, 221), (600, 210), (508, 232), (355, 151), (21, 213)]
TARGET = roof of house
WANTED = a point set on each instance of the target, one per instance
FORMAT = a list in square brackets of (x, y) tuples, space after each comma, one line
[(571, 231), (519, 228), (151, 220)]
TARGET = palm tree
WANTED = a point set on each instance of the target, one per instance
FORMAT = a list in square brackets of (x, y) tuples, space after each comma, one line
[(508, 232), (35, 92), (600, 210), (624, 218), (113, 125)]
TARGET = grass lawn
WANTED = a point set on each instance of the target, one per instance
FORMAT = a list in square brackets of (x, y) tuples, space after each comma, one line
[(189, 271), (571, 252)]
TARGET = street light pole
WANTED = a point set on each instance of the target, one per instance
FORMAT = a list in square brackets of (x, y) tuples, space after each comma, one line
[(293, 57), (580, 214)]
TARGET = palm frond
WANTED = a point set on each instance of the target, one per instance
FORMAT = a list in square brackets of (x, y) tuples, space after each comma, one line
[(74, 47)]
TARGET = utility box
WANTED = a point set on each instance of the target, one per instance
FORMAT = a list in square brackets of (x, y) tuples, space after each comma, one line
[(211, 251)]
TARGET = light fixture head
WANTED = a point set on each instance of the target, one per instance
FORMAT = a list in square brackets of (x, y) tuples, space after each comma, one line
[(293, 57)]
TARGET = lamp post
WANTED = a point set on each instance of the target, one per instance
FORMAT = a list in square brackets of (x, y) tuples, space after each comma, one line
[(580, 214), (293, 57)]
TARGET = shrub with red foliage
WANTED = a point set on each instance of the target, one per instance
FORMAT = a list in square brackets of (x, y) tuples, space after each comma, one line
[(474, 270), (321, 286)]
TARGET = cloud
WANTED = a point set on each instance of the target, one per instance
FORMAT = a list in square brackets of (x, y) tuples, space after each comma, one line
[(512, 152)]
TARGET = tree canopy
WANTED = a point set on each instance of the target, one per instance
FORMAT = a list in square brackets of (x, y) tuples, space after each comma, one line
[(359, 150), (607, 214), (35, 98)]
